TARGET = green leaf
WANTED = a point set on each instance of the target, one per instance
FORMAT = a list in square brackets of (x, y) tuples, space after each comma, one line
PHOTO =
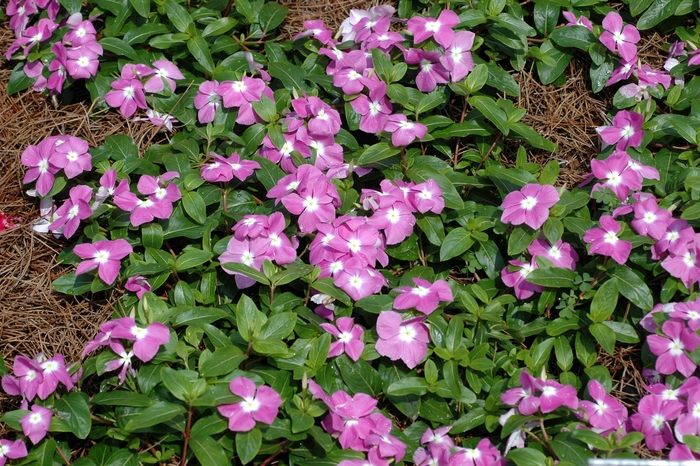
[(291, 75), (175, 382), (376, 153), (246, 9), (546, 15), (192, 259), (208, 451), (569, 449), (408, 386), (526, 457), (455, 243), (219, 26), (279, 326), (657, 12), (624, 332), (573, 36), (495, 114), (271, 347), (633, 287), (271, 15), (161, 412), (604, 301), (247, 271), (326, 286), (18, 80), (553, 229), (382, 65), (549, 73), (194, 206), (591, 438), (509, 179), (502, 80), (71, 285), (432, 227), (199, 49), (429, 101), (600, 74), (477, 78), (532, 137), (73, 409), (552, 277), (178, 15), (248, 445), (122, 398), (490, 258), (605, 336), (473, 127), (359, 376), (562, 349), (269, 173), (199, 315), (119, 47), (521, 237), (639, 6), (375, 303)]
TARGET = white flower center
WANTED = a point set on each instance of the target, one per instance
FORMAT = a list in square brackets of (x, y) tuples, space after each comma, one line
[(83, 61), (696, 410), (35, 418), (472, 453), (49, 366), (249, 222), (669, 394), (614, 178), (31, 375), (528, 203), (525, 271), (214, 99), (549, 391), (627, 132), (356, 281), (649, 217), (345, 337), (353, 75), (4, 450), (129, 92), (426, 66), (420, 291), (393, 216), (43, 166), (250, 405), (601, 407), (657, 421), (672, 236), (335, 267), (405, 125), (456, 54), (73, 211), (354, 244), (72, 156), (610, 238), (101, 256), (322, 115), (287, 149), (275, 240), (161, 73), (374, 108), (311, 203), (618, 36), (144, 203), (293, 185), (554, 252), (407, 333), (160, 193), (688, 259), (238, 86), (139, 333), (80, 32), (248, 258), (675, 347), (432, 26)]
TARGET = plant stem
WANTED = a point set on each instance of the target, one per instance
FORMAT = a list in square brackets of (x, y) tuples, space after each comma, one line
[(60, 452), (183, 460), (546, 440)]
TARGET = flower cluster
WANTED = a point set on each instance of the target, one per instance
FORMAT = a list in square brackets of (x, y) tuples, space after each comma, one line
[(356, 424), (143, 341), (438, 448), (129, 91), (223, 170), (538, 395), (258, 238), (161, 194), (53, 154)]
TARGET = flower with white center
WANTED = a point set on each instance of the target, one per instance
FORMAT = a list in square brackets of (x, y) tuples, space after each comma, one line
[(528, 203)]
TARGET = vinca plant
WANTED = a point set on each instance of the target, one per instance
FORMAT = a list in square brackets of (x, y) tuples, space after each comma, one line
[(332, 259)]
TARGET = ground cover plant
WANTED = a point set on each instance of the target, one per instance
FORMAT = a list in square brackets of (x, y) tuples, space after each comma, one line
[(333, 261)]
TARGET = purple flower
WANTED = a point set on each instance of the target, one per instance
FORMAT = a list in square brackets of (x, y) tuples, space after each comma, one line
[(36, 423), (517, 279), (604, 240), (313, 204), (374, 109), (19, 12), (626, 130), (561, 254), (649, 220), (426, 196), (10, 449), (530, 205), (572, 20), (159, 204), (259, 404), (315, 28), (72, 155), (432, 456), (238, 93), (425, 296), (484, 454), (622, 72), (458, 57), (430, 71), (58, 66), (403, 131), (349, 338), (128, 95), (123, 362), (620, 178), (249, 252), (42, 167), (82, 62), (74, 209), (28, 377), (80, 33), (146, 340), (207, 101), (675, 240), (139, 285), (223, 169), (359, 281), (165, 72), (607, 413), (688, 423), (555, 395), (652, 418), (105, 256), (440, 28), (53, 371), (671, 348), (615, 37), (398, 339)]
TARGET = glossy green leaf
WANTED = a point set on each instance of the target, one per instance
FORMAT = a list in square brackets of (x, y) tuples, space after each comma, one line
[(248, 445), (161, 412), (633, 287), (73, 409), (604, 301)]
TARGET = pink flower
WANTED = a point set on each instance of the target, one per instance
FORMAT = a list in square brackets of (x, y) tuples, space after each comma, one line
[(146, 340), (10, 449), (555, 395), (622, 72), (249, 252), (458, 57), (425, 296), (396, 221), (426, 196), (675, 240), (403, 131), (607, 413), (620, 178), (53, 371), (165, 72), (517, 279), (317, 29), (128, 95), (649, 220), (42, 167), (105, 256), (123, 362), (652, 418), (430, 71), (359, 281), (72, 155), (437, 437), (139, 285), (374, 109), (561, 254), (572, 20), (440, 28), (688, 423), (530, 205), (484, 454), (238, 93), (313, 204), (159, 204), (36, 423), (223, 170), (398, 339), (207, 101), (82, 62), (73, 210), (523, 397), (28, 377), (165, 120), (349, 338), (259, 404), (614, 37), (626, 130), (671, 350), (604, 240)]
